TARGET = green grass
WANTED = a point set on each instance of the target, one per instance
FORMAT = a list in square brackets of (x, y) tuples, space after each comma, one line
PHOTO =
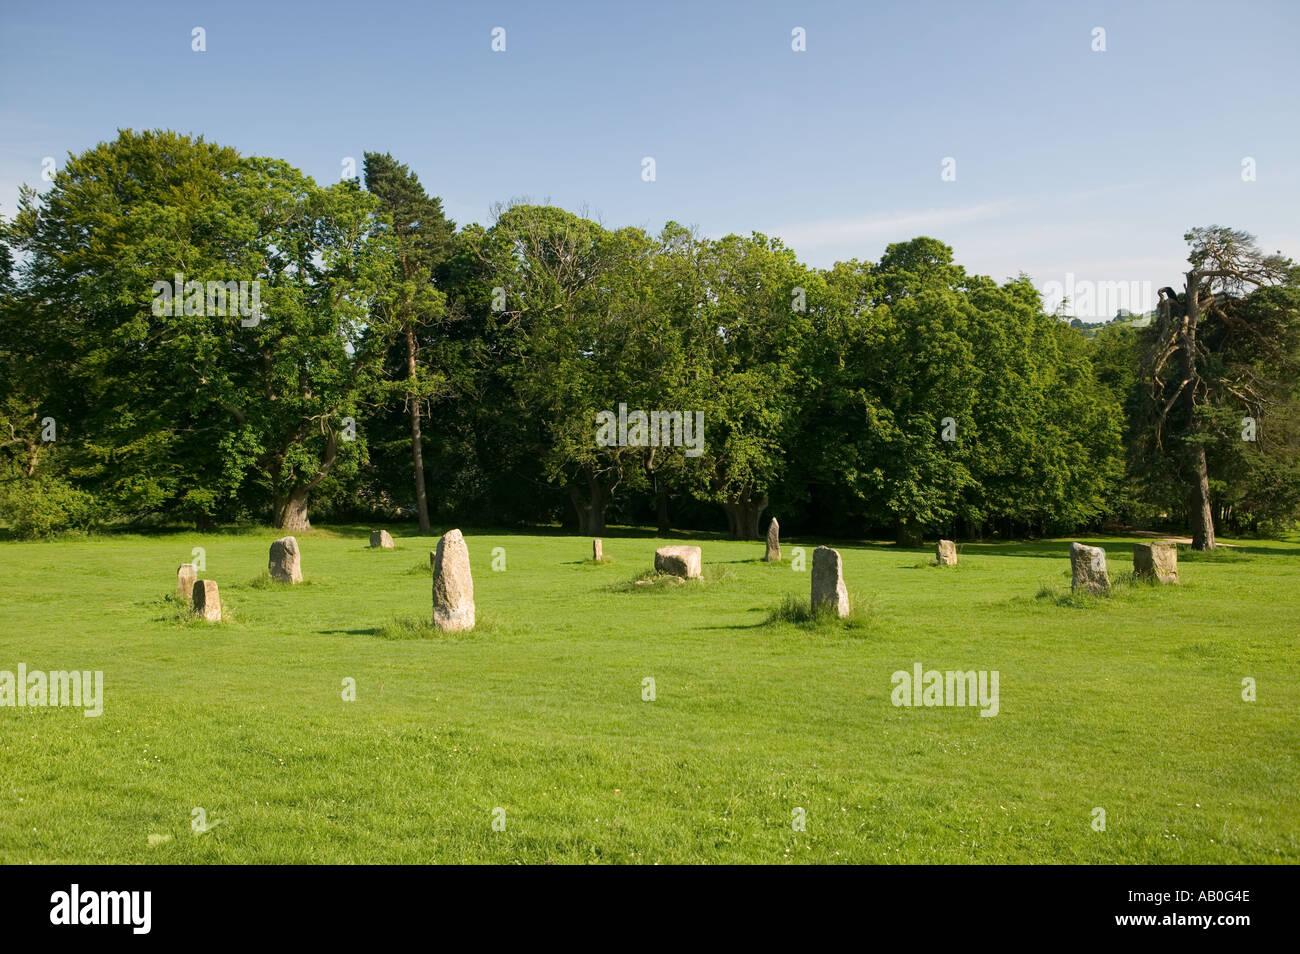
[(1130, 703)]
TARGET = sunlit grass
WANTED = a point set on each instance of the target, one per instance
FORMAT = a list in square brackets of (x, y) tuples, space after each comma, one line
[(1132, 703)]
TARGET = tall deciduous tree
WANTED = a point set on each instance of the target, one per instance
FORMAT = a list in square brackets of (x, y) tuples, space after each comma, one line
[(570, 301), (192, 405), (749, 332), (902, 394)]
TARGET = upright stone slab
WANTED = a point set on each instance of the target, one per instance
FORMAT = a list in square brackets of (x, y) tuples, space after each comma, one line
[(1159, 560), (286, 562), (185, 577), (773, 554), (207, 601), (597, 551), (1088, 569), (678, 561), (828, 587), (453, 586), (946, 553), (380, 540)]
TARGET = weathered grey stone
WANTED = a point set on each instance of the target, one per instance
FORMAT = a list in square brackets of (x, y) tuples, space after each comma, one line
[(380, 540), (678, 561), (185, 577), (597, 551), (453, 586), (286, 562), (1088, 569), (207, 601), (1159, 560), (828, 587), (946, 553), (773, 554)]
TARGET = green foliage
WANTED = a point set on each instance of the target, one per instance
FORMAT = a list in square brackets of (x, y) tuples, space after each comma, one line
[(184, 411), (905, 397), (43, 506)]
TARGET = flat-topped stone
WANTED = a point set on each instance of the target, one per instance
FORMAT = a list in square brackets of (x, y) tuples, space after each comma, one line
[(1156, 560), (185, 577), (682, 561), (946, 553), (207, 600), (1088, 569)]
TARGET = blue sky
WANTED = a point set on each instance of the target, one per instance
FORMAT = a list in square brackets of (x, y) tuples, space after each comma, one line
[(1067, 160)]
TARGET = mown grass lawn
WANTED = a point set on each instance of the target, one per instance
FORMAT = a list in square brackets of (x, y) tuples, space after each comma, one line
[(1132, 704)]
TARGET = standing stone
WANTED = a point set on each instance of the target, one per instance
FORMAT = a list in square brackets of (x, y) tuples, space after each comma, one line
[(946, 553), (286, 562), (597, 551), (678, 561), (1088, 569), (773, 554), (453, 587), (828, 587), (380, 540), (207, 601), (185, 577), (1159, 560)]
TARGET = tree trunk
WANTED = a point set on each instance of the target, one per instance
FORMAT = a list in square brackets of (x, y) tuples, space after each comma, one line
[(1198, 472), (743, 515), (417, 449), (907, 532), (291, 511), (591, 511), (1202, 514), (663, 524)]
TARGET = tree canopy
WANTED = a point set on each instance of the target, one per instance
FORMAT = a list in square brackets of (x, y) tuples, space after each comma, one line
[(189, 334)]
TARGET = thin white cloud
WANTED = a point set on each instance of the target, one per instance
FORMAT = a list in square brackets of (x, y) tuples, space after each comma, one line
[(888, 225), (893, 226)]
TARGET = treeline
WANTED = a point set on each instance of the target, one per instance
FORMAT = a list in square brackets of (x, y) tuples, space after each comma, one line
[(391, 365)]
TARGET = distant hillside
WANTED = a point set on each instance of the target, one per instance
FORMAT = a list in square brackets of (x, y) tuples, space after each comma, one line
[(1089, 329)]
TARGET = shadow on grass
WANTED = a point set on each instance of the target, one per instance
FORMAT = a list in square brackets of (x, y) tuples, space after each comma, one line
[(762, 623), (1225, 554)]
